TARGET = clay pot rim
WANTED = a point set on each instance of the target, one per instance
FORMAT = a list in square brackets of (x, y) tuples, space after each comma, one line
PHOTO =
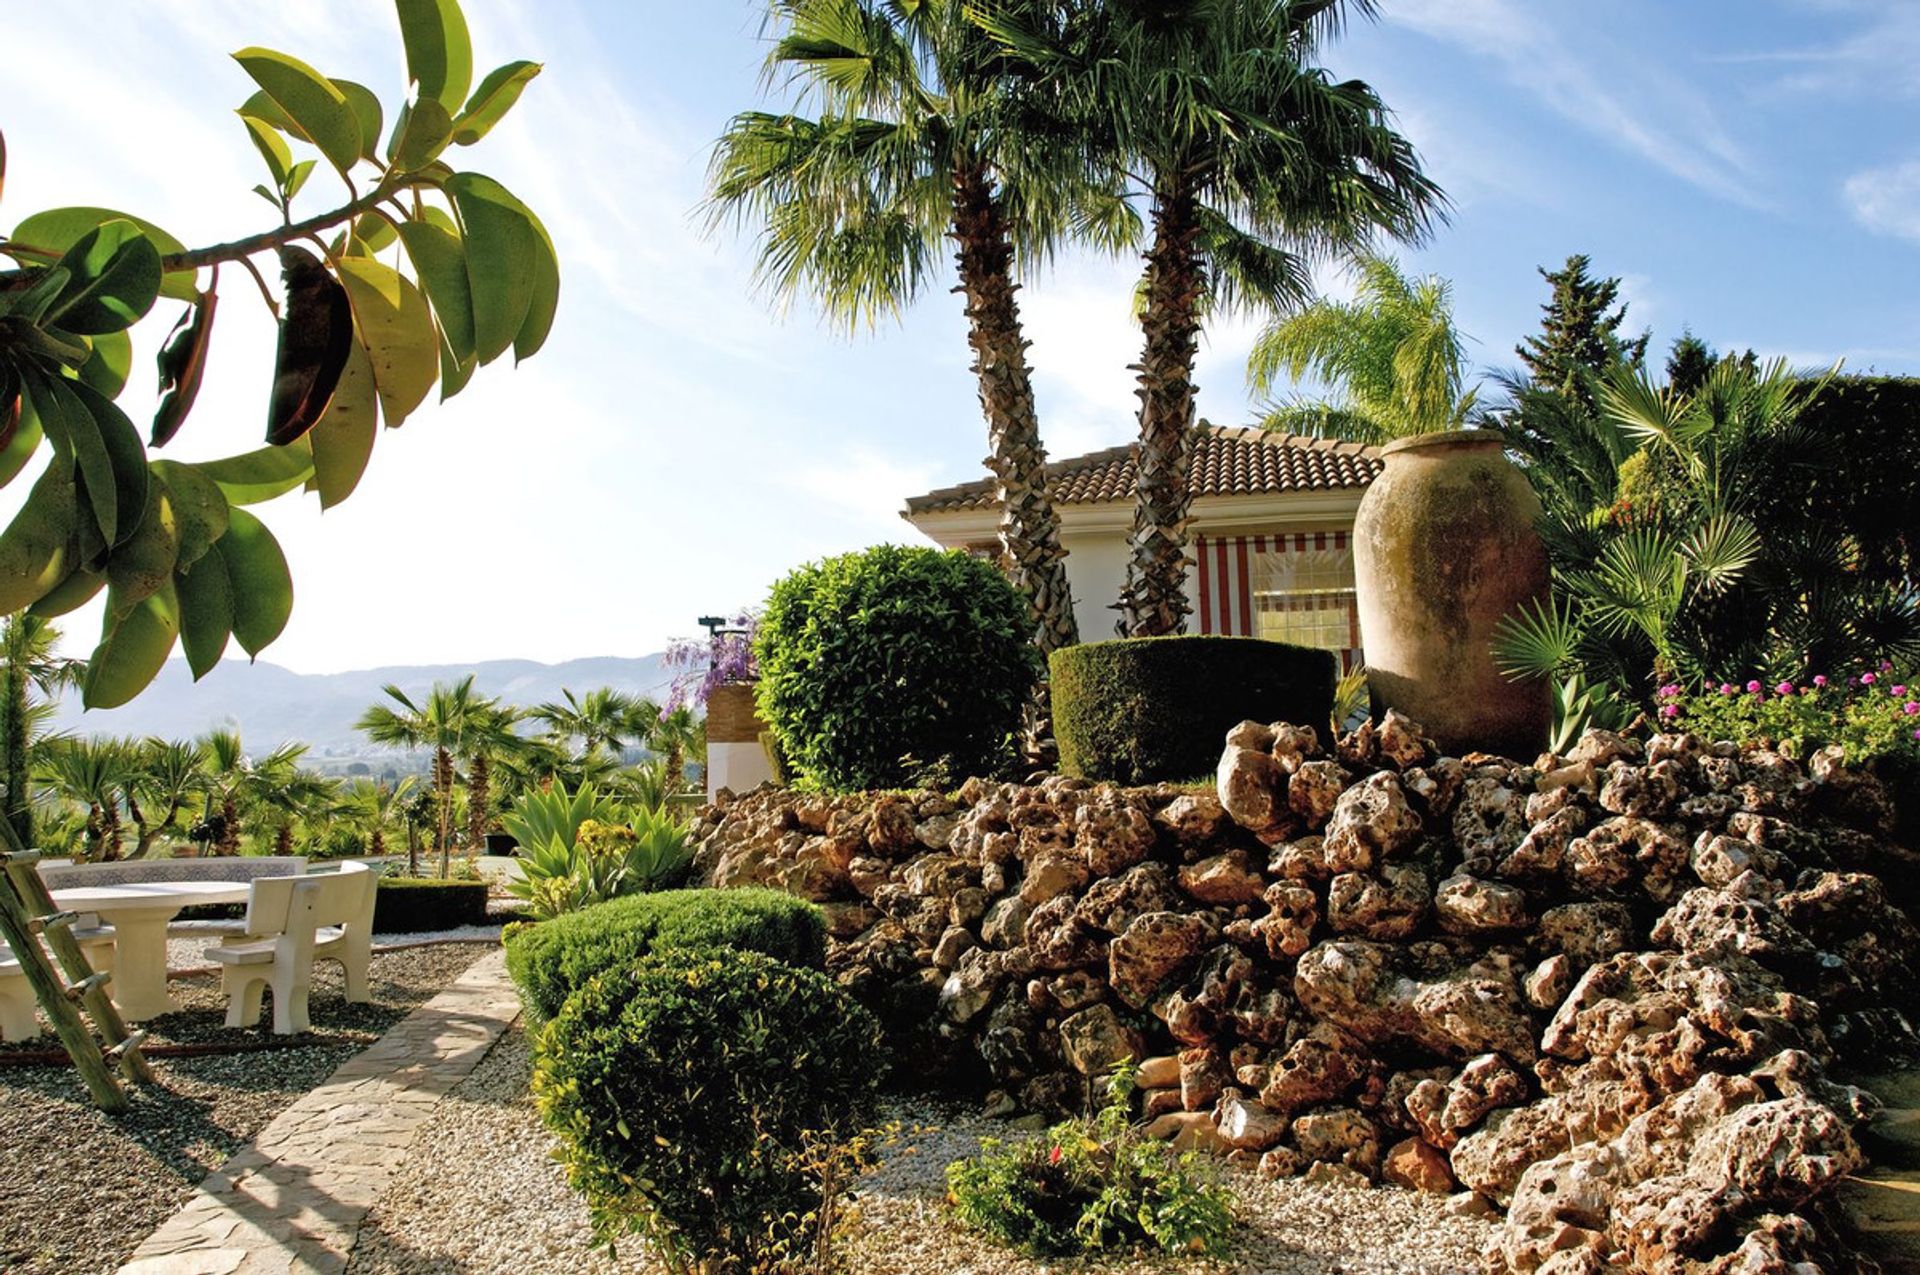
[(1444, 438)]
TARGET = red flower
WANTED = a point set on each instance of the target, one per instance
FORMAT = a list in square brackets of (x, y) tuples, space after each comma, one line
[(1053, 1156)]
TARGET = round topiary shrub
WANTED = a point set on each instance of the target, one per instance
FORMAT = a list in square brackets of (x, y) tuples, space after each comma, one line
[(687, 1089), (550, 960), (894, 666), (1153, 710)]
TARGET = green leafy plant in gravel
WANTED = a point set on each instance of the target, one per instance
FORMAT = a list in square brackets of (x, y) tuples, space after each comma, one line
[(551, 959), (688, 1091), (1090, 1185), (880, 667)]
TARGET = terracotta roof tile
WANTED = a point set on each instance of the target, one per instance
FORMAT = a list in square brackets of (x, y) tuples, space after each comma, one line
[(1226, 462)]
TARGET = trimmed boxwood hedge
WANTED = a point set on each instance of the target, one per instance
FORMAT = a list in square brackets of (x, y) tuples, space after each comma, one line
[(550, 960), (412, 905), (1151, 710)]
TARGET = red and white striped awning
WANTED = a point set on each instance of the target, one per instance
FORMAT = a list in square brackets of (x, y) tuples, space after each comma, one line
[(1229, 565)]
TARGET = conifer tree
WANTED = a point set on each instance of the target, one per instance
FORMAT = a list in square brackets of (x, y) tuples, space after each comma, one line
[(1581, 330), (1689, 363)]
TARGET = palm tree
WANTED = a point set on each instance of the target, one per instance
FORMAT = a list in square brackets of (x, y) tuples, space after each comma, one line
[(440, 722), (94, 774), (167, 774), (676, 736), (289, 793), (602, 718), (375, 806), (918, 139), (227, 769), (1253, 162), (490, 734), (1393, 354), (28, 646)]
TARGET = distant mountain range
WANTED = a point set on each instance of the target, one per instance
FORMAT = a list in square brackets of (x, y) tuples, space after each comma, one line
[(270, 705)]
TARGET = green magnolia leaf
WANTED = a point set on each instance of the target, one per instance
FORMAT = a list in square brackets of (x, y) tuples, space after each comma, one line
[(316, 110), (396, 327), (545, 300), (74, 434), (343, 440), (134, 646), (136, 569), (502, 243), (70, 594), (199, 506), (298, 178), (115, 277), (441, 262), (439, 50), (124, 451), (58, 229), (206, 611), (262, 586), (23, 441), (492, 100), (37, 548), (111, 364), (30, 303), (419, 135), (272, 148), (375, 230), (251, 477), (455, 371), (366, 110)]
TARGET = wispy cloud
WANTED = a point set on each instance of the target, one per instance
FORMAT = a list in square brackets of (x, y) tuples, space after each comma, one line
[(1877, 58), (1887, 200), (1617, 93)]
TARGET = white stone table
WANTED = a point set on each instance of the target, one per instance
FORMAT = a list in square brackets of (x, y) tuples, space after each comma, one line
[(139, 914)]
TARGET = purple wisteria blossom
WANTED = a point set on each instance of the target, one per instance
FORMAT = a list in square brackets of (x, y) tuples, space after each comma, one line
[(704, 664)]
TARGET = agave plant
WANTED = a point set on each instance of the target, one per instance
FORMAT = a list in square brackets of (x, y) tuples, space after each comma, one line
[(586, 848)]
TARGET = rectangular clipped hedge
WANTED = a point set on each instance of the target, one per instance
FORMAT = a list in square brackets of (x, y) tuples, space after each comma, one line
[(413, 905), (550, 960), (1153, 710)]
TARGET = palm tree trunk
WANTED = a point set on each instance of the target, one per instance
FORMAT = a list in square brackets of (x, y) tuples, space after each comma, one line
[(376, 843), (1029, 531), (443, 808), (109, 830), (93, 842), (1154, 601), (229, 842), (479, 792), (283, 839), (19, 810)]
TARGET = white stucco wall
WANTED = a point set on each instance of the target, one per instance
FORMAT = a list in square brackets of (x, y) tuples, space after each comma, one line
[(1096, 570), (740, 767)]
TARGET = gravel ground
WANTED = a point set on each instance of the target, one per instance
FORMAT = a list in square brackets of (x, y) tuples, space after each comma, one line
[(479, 1192), (79, 1190)]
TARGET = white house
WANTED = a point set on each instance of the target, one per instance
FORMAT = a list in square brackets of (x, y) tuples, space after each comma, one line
[(1272, 518)]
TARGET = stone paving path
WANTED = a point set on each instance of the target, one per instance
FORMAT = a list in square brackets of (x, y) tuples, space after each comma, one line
[(293, 1201)]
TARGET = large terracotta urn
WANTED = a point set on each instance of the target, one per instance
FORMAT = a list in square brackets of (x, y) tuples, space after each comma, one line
[(1444, 548)]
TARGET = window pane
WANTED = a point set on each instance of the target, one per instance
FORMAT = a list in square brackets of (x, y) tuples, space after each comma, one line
[(1305, 596)]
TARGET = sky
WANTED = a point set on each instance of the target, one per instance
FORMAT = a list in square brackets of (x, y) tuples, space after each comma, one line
[(1747, 168)]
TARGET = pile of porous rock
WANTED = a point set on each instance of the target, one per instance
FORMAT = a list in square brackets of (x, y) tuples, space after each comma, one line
[(1600, 992)]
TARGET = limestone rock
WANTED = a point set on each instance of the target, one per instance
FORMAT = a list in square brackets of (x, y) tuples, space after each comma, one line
[(1225, 880), (1153, 949), (1096, 1041), (1112, 832), (1252, 788), (1371, 823), (1051, 874), (1314, 791), (1111, 904), (1246, 1125), (1467, 905), (1193, 819), (1390, 905), (1418, 1166), (1287, 929)]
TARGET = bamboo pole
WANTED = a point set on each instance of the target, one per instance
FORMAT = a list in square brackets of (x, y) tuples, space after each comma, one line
[(17, 928)]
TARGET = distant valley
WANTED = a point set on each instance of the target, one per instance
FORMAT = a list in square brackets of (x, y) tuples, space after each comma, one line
[(270, 705)]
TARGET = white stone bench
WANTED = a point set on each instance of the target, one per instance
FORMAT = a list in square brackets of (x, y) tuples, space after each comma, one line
[(17, 1003), (291, 923), (67, 875)]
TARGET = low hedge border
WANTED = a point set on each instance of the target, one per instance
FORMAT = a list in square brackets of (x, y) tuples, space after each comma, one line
[(415, 905), (549, 960), (1154, 710)]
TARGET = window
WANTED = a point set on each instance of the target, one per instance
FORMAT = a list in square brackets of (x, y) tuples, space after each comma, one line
[(1303, 592)]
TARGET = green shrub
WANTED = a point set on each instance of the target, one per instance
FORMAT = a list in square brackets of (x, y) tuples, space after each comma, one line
[(412, 905), (1089, 1185), (882, 668), (549, 960), (1151, 710), (1873, 717), (689, 1090)]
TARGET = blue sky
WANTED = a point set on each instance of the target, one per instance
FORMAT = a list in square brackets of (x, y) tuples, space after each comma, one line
[(1748, 167)]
